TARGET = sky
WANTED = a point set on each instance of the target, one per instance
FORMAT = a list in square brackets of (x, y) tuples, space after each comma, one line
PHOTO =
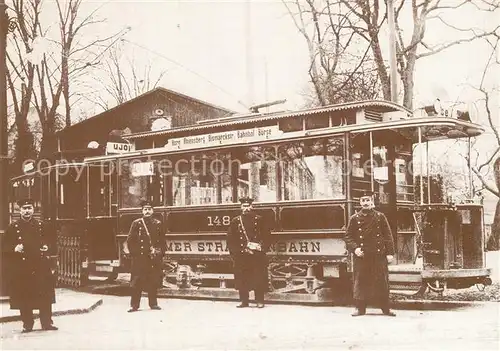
[(207, 50)]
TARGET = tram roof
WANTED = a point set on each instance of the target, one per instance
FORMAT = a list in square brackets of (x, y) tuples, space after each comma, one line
[(415, 129), (379, 105)]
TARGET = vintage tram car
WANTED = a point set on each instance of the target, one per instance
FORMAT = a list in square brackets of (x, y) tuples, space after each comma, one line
[(306, 170)]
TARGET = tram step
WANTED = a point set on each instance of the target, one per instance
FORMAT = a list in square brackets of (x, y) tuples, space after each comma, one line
[(232, 295)]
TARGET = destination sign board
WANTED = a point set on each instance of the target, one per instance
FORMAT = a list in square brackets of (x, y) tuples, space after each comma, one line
[(303, 247), (118, 148), (224, 138)]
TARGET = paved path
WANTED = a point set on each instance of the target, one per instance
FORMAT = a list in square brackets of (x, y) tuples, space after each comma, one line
[(207, 325), (68, 302)]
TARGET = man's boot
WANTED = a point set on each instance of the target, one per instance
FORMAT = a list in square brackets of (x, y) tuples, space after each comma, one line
[(244, 298), (360, 309), (386, 310)]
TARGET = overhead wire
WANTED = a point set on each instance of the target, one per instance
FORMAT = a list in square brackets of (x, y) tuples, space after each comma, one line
[(187, 69)]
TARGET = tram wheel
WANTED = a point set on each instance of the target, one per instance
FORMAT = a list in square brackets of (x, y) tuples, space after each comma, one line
[(436, 288)]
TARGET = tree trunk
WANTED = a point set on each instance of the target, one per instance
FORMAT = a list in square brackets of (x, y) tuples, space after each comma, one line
[(408, 78), (24, 147), (382, 70), (48, 145), (494, 240), (65, 84)]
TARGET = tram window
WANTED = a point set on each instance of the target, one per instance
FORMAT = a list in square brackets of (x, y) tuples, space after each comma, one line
[(318, 121), (70, 193), (257, 173), (45, 203), (35, 192), (202, 179), (291, 124), (312, 169), (139, 181), (99, 190), (360, 164), (381, 173), (404, 176), (28, 187)]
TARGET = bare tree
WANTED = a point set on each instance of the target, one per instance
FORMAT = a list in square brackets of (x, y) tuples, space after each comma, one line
[(409, 51), (487, 169), (121, 78), (341, 68), (364, 19), (487, 101), (38, 77)]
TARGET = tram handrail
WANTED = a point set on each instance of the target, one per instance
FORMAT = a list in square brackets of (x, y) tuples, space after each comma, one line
[(419, 237)]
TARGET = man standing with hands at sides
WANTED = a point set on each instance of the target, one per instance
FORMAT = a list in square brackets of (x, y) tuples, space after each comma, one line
[(248, 241), (369, 238), (31, 282), (146, 244)]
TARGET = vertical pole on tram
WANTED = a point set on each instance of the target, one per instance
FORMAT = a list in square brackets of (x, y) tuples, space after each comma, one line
[(469, 164), (372, 186), (421, 165), (428, 172)]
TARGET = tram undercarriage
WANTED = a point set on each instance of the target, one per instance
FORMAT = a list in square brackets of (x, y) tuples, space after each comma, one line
[(305, 281)]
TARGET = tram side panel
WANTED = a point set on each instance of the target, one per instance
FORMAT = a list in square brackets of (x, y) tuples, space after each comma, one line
[(301, 260)]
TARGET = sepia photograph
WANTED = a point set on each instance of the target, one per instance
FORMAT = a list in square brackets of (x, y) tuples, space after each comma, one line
[(250, 174)]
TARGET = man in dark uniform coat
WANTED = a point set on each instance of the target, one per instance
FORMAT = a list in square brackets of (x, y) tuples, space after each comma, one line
[(248, 241), (31, 282), (369, 238), (146, 246)]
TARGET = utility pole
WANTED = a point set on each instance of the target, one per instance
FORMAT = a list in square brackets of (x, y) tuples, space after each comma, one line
[(249, 53), (393, 207), (392, 51), (266, 83), (4, 161)]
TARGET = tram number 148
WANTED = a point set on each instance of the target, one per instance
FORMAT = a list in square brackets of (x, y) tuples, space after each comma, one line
[(216, 221)]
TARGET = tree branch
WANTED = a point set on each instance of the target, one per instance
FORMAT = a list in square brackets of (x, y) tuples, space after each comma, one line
[(439, 48)]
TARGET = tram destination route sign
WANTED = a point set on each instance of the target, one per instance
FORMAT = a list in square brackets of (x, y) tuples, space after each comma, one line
[(299, 247), (224, 138)]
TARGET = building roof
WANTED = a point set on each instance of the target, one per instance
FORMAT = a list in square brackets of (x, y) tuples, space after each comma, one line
[(383, 106), (156, 90)]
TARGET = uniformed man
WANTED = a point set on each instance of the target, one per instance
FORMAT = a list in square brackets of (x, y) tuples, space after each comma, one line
[(248, 241), (31, 282), (369, 238), (146, 245)]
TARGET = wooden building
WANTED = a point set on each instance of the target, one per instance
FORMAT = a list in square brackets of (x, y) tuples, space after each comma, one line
[(160, 106)]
